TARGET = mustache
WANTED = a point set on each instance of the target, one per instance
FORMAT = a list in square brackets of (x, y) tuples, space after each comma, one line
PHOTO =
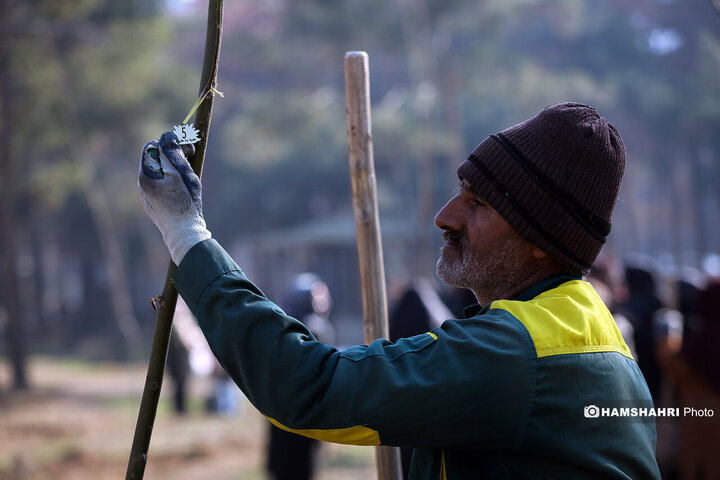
[(455, 238)]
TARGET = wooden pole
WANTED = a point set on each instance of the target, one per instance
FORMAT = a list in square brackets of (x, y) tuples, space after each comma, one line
[(165, 304), (364, 191)]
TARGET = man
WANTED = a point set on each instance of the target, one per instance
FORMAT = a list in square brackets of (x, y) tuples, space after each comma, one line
[(503, 393)]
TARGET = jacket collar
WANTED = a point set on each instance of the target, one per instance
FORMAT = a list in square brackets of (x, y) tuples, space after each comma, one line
[(527, 294)]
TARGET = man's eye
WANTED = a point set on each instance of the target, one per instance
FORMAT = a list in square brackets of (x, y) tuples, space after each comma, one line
[(478, 203)]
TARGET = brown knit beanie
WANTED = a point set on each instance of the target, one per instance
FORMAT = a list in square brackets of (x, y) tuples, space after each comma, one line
[(555, 178)]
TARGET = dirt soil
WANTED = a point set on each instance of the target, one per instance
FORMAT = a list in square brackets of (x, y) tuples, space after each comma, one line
[(77, 422)]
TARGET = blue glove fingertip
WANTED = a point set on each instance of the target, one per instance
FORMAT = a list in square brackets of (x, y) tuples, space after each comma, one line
[(172, 151), (150, 161)]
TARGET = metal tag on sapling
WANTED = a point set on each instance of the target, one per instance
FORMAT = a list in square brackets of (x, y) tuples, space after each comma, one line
[(186, 134)]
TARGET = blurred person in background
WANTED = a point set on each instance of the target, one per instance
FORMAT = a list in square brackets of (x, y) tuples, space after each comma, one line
[(510, 391), (457, 299), (291, 456), (606, 277), (418, 309), (688, 356), (642, 303), (188, 355), (178, 367), (669, 326)]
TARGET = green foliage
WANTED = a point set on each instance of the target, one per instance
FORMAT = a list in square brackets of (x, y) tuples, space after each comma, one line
[(506, 60), (81, 83), (87, 82)]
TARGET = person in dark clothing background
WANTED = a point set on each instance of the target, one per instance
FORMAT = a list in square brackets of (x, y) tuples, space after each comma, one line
[(702, 340), (178, 367), (691, 365), (640, 307), (291, 456), (419, 309)]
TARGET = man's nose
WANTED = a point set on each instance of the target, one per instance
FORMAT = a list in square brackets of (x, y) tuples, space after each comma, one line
[(450, 216)]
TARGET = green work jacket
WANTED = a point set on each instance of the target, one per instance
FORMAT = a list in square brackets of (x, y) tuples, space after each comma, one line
[(501, 394)]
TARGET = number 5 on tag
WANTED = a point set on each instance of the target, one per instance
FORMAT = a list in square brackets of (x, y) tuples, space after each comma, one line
[(186, 134)]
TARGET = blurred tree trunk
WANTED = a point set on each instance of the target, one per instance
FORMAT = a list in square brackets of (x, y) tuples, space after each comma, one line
[(120, 298), (101, 213), (423, 75), (15, 328), (9, 223)]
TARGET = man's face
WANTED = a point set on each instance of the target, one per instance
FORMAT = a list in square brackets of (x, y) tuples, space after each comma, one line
[(481, 251)]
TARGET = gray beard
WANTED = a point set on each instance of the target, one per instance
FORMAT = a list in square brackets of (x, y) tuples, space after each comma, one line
[(488, 273)]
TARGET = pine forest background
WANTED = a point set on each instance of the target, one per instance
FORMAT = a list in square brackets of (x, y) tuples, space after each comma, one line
[(85, 83)]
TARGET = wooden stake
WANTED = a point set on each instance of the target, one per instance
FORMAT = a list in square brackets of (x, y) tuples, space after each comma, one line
[(364, 191), (168, 300)]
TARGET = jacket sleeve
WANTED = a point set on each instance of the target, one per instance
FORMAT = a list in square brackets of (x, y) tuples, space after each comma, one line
[(467, 384)]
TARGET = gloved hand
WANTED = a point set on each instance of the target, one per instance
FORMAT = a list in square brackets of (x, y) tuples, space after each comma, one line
[(172, 195)]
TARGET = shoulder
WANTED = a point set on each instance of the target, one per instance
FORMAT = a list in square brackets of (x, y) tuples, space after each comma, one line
[(570, 318), (494, 332)]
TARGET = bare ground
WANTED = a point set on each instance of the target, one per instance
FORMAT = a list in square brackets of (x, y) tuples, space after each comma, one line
[(78, 419)]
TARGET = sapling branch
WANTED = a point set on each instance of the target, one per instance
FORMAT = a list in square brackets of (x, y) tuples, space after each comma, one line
[(166, 302)]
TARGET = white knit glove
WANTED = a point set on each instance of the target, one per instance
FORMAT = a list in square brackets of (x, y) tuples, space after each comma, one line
[(172, 195)]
